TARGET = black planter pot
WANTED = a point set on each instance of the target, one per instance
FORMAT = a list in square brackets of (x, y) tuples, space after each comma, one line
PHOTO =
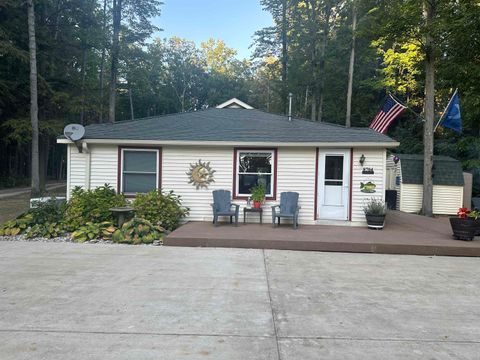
[(463, 229), (375, 221), (477, 232)]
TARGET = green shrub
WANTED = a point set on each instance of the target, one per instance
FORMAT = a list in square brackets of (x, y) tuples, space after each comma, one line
[(138, 231), (159, 208), (17, 226), (45, 230), (91, 206), (91, 231), (50, 211)]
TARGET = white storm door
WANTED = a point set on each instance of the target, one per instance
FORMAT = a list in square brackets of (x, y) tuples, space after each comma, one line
[(333, 184)]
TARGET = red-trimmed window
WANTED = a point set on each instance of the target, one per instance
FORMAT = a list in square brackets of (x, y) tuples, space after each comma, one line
[(139, 170), (255, 167)]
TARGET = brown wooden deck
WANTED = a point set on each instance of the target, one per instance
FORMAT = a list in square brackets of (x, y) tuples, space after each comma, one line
[(403, 234)]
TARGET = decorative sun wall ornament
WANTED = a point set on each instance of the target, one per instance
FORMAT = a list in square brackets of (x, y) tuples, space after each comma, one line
[(200, 174)]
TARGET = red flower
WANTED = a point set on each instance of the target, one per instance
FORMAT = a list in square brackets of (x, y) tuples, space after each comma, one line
[(463, 213)]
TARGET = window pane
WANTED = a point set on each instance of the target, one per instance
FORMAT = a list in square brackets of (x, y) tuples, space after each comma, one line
[(246, 182), (334, 167), (140, 161), (139, 183), (255, 162)]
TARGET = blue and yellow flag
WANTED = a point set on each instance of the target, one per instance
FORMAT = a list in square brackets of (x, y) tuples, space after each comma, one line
[(451, 117)]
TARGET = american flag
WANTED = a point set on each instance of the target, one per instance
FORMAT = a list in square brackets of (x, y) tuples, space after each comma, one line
[(389, 112)]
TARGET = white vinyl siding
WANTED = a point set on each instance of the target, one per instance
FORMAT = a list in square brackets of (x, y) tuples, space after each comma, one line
[(295, 172), (376, 159), (103, 165), (290, 163), (176, 162), (446, 199), (76, 168)]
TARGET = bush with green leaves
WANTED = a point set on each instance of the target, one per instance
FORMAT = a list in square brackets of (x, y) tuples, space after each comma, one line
[(44, 220), (91, 231), (138, 231), (46, 230), (160, 208), (16, 226), (50, 211), (91, 206)]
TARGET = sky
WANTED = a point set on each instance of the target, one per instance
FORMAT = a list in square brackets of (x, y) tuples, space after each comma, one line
[(233, 21)]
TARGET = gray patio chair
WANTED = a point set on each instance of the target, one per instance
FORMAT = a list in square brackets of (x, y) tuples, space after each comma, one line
[(288, 208), (222, 206)]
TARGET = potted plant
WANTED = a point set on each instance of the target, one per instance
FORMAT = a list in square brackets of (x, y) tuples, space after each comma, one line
[(375, 211), (465, 225), (258, 195)]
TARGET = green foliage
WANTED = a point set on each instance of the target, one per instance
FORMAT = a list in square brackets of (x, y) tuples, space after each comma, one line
[(138, 231), (44, 220), (51, 211), (45, 230), (258, 193), (160, 208), (92, 206), (16, 227), (91, 231), (474, 214), (375, 207)]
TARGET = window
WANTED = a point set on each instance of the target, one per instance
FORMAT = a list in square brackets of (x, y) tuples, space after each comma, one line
[(139, 170), (255, 167)]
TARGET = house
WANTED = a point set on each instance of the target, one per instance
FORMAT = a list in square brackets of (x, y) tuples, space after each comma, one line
[(234, 147), (405, 175)]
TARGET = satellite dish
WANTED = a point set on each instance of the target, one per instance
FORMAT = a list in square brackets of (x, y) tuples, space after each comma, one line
[(74, 132)]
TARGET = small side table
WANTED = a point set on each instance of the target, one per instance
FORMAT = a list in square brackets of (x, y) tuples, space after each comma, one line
[(121, 213), (252, 210)]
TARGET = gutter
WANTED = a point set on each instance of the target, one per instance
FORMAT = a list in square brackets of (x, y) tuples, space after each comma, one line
[(386, 144)]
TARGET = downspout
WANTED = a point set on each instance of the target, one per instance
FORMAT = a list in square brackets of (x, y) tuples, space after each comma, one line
[(87, 153)]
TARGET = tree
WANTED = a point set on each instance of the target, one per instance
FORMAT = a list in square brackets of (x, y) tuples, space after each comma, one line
[(348, 120), (35, 181), (117, 18), (429, 14)]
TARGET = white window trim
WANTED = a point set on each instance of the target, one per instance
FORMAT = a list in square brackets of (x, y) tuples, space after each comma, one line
[(157, 172), (238, 173)]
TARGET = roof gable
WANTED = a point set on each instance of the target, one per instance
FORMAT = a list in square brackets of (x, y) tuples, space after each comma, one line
[(234, 104)]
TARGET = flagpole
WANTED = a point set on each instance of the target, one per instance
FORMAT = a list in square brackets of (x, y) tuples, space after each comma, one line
[(446, 107), (406, 107)]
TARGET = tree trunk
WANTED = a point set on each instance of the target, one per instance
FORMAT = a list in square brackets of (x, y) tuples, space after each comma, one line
[(321, 67), (83, 76), (102, 61), (314, 107), (429, 108), (131, 103), (284, 56), (117, 17), (33, 99), (348, 121)]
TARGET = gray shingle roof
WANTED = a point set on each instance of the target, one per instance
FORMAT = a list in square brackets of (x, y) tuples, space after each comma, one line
[(446, 170), (238, 125)]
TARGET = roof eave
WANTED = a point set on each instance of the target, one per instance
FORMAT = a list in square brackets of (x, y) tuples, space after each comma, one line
[(385, 144)]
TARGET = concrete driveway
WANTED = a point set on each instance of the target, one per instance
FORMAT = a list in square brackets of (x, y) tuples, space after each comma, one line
[(69, 301)]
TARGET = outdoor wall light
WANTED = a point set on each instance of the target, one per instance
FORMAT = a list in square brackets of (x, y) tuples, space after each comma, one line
[(362, 159), (396, 159)]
